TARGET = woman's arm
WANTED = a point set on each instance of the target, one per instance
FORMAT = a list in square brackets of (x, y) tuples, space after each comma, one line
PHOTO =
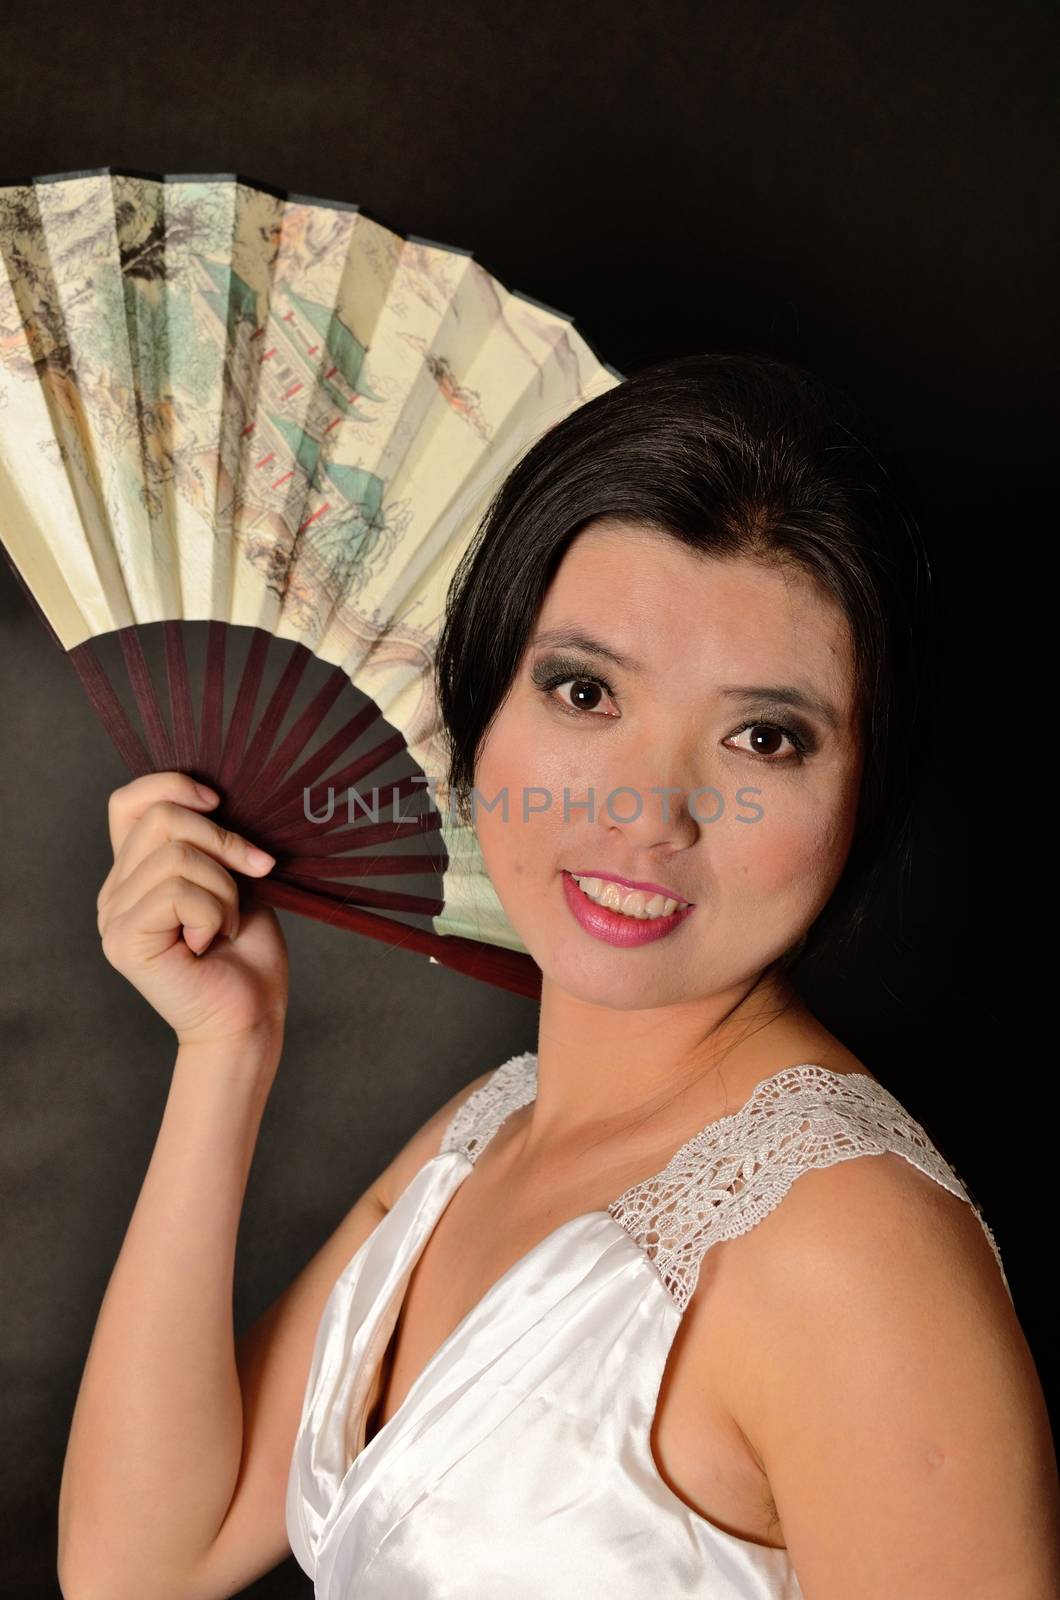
[(156, 1436), (887, 1387), (157, 1430)]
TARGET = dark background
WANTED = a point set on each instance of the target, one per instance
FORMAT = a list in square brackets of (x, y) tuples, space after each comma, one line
[(870, 190)]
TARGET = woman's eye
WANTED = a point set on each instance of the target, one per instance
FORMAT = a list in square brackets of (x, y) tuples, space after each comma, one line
[(767, 737), (585, 695)]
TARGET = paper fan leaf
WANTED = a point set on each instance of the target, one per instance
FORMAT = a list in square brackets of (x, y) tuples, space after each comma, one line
[(240, 425)]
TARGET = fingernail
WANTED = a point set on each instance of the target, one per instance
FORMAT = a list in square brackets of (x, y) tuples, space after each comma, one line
[(207, 793), (260, 858)]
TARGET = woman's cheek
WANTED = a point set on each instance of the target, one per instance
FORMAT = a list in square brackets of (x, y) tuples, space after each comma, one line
[(794, 852), (531, 785)]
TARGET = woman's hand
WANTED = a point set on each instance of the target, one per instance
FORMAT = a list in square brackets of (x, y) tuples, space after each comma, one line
[(169, 892)]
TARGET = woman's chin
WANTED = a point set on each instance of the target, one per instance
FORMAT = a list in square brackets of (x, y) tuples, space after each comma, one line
[(604, 976), (595, 971)]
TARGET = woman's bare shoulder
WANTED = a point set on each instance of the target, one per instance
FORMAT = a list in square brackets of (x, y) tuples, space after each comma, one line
[(869, 1222), (863, 1338)]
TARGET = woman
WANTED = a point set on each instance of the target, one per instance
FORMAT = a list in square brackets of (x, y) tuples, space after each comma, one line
[(624, 1316)]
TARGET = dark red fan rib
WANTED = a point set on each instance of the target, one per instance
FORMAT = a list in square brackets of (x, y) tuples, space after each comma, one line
[(246, 700), (505, 969), (110, 712), (158, 740), (180, 707)]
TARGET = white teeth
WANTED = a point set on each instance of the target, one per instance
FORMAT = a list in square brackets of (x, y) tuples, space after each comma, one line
[(630, 902)]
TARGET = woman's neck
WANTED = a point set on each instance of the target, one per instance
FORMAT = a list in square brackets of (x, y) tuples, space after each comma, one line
[(605, 1074)]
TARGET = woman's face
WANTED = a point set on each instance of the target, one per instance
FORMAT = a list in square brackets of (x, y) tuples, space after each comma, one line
[(757, 851)]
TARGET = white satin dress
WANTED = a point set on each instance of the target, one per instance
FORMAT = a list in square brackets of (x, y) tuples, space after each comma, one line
[(518, 1466)]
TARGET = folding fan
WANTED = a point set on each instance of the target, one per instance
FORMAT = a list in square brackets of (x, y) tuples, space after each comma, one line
[(245, 437)]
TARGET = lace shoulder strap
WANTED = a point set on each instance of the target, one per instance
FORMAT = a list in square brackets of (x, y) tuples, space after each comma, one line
[(473, 1124), (739, 1168)]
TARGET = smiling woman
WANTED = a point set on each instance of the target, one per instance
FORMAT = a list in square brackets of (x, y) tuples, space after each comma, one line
[(655, 773), (589, 1349)]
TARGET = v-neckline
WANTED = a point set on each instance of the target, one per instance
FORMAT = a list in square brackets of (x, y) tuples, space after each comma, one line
[(400, 1293)]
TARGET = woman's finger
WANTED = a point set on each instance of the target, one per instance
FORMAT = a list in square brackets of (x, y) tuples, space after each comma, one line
[(153, 924), (127, 804), (165, 821), (175, 859)]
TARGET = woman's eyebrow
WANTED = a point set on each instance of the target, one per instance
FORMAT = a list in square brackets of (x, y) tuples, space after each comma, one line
[(572, 639), (780, 694), (784, 694)]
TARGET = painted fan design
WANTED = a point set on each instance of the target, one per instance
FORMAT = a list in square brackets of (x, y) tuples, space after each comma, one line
[(245, 437)]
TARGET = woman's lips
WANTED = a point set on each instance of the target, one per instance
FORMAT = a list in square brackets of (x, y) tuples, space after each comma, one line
[(613, 927)]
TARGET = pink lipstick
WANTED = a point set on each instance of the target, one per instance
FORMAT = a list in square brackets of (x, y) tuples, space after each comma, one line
[(614, 927)]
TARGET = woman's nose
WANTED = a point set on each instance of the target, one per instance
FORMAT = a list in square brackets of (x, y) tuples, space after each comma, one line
[(653, 814)]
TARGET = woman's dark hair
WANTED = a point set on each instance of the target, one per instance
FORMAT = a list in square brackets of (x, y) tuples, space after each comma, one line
[(733, 455)]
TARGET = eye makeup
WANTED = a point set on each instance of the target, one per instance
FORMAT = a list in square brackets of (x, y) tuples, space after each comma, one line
[(552, 671)]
